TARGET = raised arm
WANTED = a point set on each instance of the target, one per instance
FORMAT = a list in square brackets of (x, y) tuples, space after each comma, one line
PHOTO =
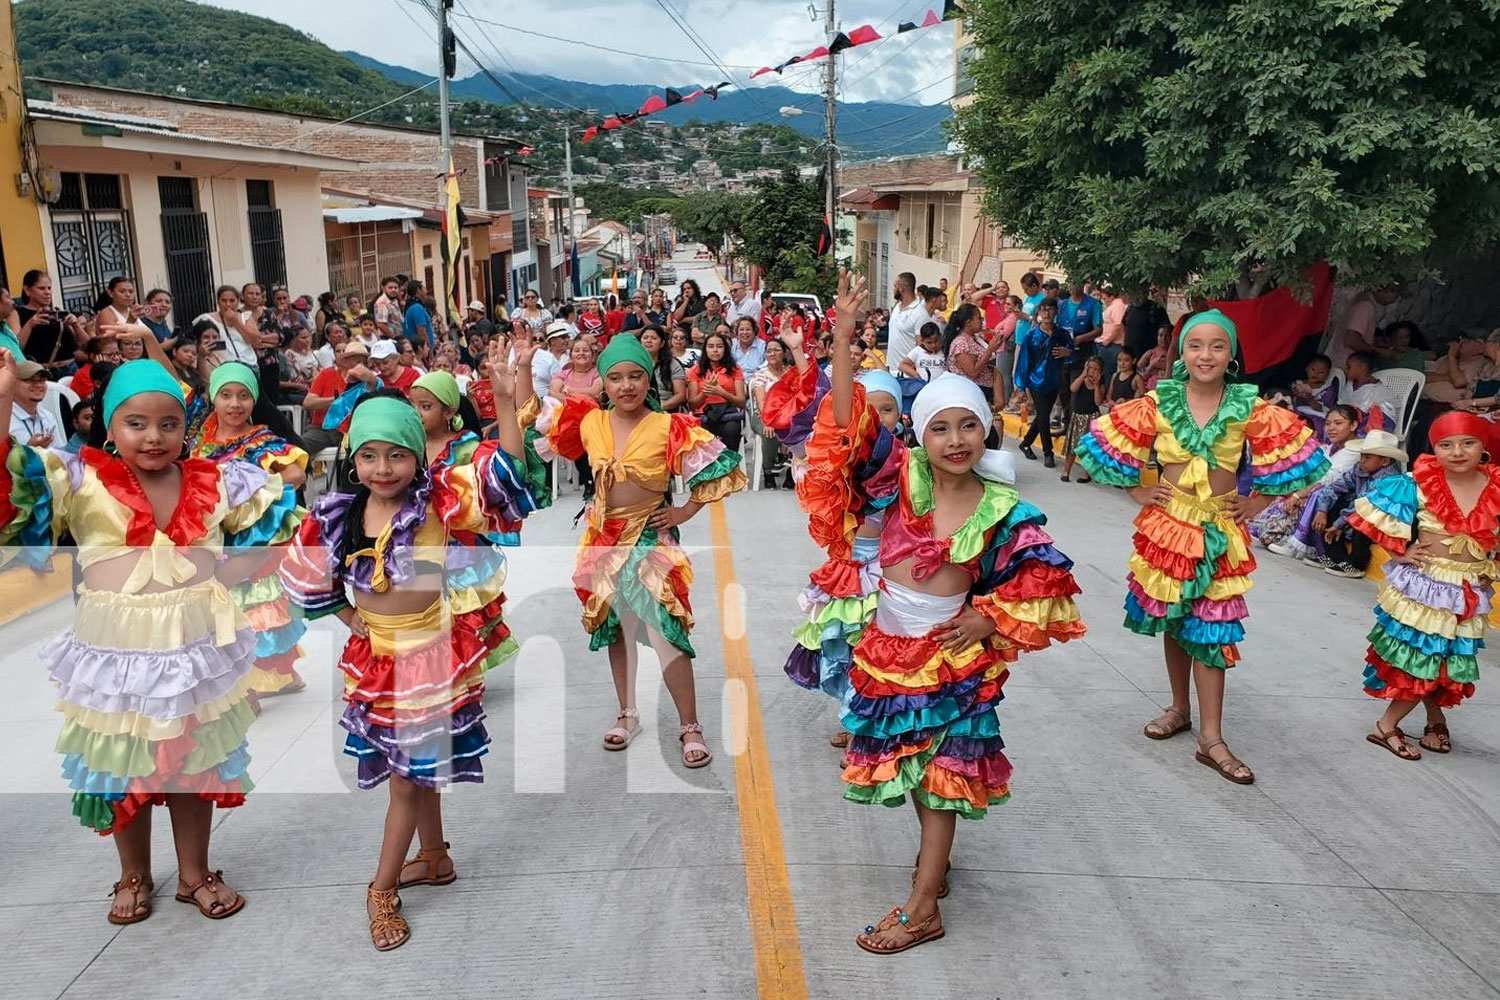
[(853, 292)]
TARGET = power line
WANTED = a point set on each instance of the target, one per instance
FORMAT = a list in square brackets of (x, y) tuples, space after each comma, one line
[(463, 46), (604, 48), (676, 18)]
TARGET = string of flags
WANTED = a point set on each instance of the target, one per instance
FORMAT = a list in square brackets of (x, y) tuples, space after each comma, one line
[(654, 103), (864, 35)]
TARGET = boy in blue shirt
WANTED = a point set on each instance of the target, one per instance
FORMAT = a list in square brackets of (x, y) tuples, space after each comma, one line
[(1041, 357)]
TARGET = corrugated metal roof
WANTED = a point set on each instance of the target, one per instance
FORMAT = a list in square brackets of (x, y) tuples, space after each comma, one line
[(371, 213)]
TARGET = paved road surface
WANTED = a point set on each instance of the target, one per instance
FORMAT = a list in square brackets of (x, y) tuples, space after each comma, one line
[(1121, 868)]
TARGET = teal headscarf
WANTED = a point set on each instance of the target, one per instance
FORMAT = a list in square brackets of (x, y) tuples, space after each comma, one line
[(234, 373), (135, 377), (394, 421), (1211, 317), (625, 348), (444, 388)]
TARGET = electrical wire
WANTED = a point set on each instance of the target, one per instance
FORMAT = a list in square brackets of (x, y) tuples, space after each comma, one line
[(676, 18), (604, 48)]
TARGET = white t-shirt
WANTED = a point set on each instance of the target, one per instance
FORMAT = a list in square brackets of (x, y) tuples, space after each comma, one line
[(1362, 318), (747, 306), (905, 322), (544, 368), (232, 346), (24, 426), (928, 365)]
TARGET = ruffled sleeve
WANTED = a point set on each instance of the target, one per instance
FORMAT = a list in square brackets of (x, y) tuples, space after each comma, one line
[(262, 509), (710, 470), (310, 569), (560, 425), (1118, 443), (488, 494), (281, 456), (1284, 455), (1388, 513), (792, 403), (1026, 585), (853, 472), (36, 485)]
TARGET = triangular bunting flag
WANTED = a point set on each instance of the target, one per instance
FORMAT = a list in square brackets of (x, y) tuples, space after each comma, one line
[(526, 151), (610, 123), (692, 97), (590, 132), (906, 26), (840, 43), (951, 10), (653, 103), (817, 53), (862, 34), (672, 97), (931, 19), (763, 71)]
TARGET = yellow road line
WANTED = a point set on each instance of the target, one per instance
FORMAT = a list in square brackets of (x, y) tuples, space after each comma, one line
[(23, 590), (773, 918)]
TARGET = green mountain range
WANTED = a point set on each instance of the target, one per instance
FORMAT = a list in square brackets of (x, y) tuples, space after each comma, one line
[(192, 50)]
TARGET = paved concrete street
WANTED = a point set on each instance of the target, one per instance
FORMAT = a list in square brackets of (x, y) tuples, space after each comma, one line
[(1122, 868)]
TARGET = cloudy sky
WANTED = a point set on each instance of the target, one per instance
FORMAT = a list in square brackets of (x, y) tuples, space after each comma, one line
[(740, 34)]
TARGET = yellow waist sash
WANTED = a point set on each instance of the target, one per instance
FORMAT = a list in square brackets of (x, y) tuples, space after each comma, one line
[(394, 635)]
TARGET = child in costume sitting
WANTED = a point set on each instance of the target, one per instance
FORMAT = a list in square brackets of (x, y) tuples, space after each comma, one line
[(154, 677), (1192, 561), (839, 599), (413, 669), (1347, 550), (631, 574), (1439, 523), (970, 580)]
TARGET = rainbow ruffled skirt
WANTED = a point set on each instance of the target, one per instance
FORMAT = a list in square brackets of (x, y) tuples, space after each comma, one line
[(824, 650), (1429, 629)]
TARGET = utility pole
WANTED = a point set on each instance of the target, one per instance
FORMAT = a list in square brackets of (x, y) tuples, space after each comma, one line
[(830, 169), (568, 166), (447, 54)]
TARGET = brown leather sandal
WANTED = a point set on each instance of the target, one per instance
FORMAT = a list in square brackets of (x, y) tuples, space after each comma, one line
[(431, 857), (942, 892), (919, 933), (840, 739), (387, 918), (1227, 766), (214, 910), (142, 888), (1398, 748), (1165, 729), (1442, 742)]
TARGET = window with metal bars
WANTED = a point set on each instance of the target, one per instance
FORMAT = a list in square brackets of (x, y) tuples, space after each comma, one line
[(267, 248)]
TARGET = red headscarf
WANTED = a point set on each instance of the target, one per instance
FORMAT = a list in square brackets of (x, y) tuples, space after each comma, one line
[(1459, 422)]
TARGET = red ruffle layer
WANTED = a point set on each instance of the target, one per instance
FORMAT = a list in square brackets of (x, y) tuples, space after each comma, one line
[(1401, 686)]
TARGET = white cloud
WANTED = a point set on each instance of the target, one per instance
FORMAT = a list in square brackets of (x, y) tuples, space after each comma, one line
[(738, 33)]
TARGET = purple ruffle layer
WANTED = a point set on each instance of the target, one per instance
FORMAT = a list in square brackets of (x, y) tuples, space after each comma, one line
[(163, 686)]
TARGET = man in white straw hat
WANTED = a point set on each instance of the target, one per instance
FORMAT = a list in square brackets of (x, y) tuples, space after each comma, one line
[(1348, 551)]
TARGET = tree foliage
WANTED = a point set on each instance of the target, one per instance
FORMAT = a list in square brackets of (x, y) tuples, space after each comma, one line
[(1224, 145), (777, 229), (706, 218), (622, 204)]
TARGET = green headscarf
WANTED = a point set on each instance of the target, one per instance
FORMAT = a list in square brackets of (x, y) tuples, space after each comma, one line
[(625, 348), (1211, 317), (394, 421), (135, 377), (234, 373), (444, 388)]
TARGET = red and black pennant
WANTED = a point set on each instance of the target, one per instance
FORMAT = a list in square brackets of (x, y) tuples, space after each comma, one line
[(864, 35), (656, 102)]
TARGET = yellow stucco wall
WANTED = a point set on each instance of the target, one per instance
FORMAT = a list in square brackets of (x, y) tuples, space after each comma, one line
[(20, 226)]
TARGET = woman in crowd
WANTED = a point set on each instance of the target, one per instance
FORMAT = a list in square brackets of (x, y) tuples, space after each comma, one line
[(776, 362), (1004, 340), (414, 684), (1192, 562), (238, 427), (532, 314), (153, 679), (353, 310), (328, 312), (1156, 361), (157, 313), (1088, 395), (50, 336), (874, 356), (299, 366), (689, 301), (117, 307), (683, 350), (668, 375), (591, 320), (579, 379), (1126, 383), (335, 336), (970, 581), (632, 574), (716, 391), (659, 311), (239, 338), (1439, 524), (968, 353), (1286, 526)]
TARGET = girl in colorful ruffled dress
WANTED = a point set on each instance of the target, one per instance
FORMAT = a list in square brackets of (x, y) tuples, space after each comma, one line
[(632, 574), (1192, 561), (970, 580), (839, 599), (414, 678), (154, 676), (1439, 523), (228, 433), (476, 562)]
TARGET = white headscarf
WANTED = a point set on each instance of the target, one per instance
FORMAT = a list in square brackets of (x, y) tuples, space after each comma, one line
[(949, 391)]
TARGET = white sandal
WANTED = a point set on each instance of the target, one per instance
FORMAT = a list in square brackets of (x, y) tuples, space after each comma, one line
[(619, 737), (688, 748)]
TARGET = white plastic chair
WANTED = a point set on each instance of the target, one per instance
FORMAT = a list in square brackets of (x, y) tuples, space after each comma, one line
[(66, 381), (329, 459), (293, 416), (56, 393), (1407, 385), (1338, 378)]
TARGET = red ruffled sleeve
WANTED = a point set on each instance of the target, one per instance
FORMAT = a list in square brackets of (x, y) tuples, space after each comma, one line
[(561, 427), (852, 472)]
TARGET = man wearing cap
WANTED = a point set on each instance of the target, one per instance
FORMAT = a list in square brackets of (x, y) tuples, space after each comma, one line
[(385, 359), (546, 364), (328, 385), (478, 323), (30, 422)]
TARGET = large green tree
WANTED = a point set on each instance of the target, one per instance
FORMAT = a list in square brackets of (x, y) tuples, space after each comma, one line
[(1225, 145), (777, 230), (708, 218)]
